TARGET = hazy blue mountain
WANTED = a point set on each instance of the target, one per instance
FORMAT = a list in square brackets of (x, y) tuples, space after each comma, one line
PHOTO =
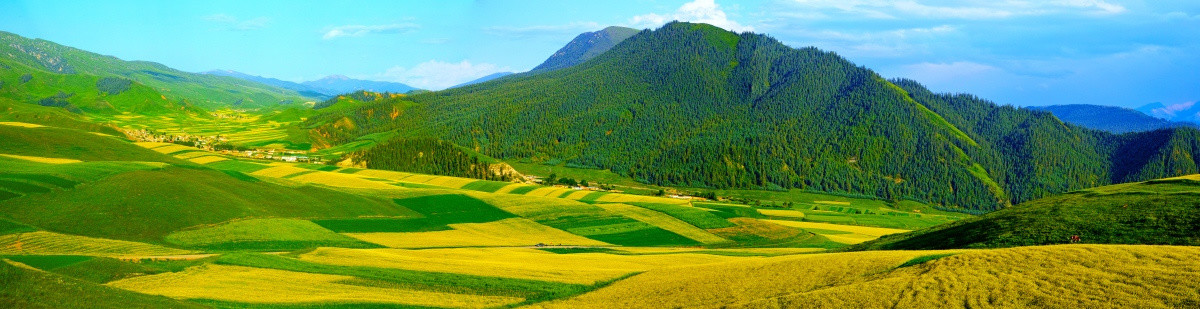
[(339, 84), (1108, 118), (484, 79), (585, 46), (1181, 112), (302, 89)]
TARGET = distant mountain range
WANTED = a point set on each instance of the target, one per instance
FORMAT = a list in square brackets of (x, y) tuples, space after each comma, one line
[(1181, 112), (1108, 118), (326, 87), (484, 79)]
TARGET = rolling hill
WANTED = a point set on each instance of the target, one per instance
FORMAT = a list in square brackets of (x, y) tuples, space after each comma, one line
[(202, 90), (1107, 118), (697, 106), (1163, 212), (299, 88)]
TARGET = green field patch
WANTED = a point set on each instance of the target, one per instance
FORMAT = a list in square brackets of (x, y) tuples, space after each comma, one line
[(42, 178), (610, 228), (380, 225), (652, 236), (486, 185), (318, 167), (695, 216), (300, 174), (582, 250), (415, 185), (238, 165), (523, 190), (531, 290), (22, 187), (727, 211), (922, 259), (350, 170), (453, 208), (47, 262), (240, 175), (10, 227), (592, 197), (263, 234), (4, 195)]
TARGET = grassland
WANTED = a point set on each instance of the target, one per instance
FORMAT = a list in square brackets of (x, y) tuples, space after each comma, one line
[(581, 268), (262, 234), (26, 287), (48, 243), (260, 285), (1058, 276), (506, 232)]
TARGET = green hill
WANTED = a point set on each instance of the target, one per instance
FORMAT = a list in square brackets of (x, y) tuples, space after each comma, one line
[(1164, 212), (206, 91), (692, 105)]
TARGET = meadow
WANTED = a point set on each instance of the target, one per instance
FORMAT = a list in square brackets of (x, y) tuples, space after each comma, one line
[(268, 234)]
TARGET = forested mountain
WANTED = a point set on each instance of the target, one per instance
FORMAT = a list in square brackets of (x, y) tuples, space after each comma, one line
[(1107, 118), (584, 47), (1182, 112), (694, 105), (338, 84), (202, 90), (302, 89)]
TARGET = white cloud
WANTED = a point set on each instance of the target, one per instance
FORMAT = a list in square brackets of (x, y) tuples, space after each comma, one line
[(228, 22), (971, 10), (361, 30), (1169, 111), (437, 75), (699, 11)]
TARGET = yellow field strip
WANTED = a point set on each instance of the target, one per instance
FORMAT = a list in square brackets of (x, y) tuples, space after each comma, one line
[(270, 286), (50, 243), (507, 232), (864, 230), (582, 268), (664, 221), (42, 159)]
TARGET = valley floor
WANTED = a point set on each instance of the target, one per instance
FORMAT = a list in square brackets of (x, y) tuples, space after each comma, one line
[(101, 222)]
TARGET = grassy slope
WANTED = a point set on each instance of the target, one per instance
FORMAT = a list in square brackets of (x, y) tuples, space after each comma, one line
[(1153, 212), (1078, 276), (29, 288)]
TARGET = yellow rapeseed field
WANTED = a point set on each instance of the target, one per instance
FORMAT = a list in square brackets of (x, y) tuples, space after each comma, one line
[(279, 171), (340, 180), (582, 268), (782, 213), (194, 154), (628, 198), (260, 285), (208, 159), (42, 159), (171, 148), (20, 124), (50, 243), (1064, 276), (450, 182), (665, 222), (857, 234), (507, 232), (392, 175)]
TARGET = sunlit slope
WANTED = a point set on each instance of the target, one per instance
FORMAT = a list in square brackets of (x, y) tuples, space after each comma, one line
[(1165, 211), (202, 90), (1074, 276)]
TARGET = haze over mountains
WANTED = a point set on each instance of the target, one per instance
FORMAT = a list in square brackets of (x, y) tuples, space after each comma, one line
[(325, 87), (1109, 118)]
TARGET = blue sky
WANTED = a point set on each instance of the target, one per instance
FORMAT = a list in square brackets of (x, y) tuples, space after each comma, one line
[(1110, 52)]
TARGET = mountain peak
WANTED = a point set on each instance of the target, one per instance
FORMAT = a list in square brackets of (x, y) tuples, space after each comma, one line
[(585, 46), (336, 77)]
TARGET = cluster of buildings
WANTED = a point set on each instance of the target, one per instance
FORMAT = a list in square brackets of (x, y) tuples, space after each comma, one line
[(199, 141)]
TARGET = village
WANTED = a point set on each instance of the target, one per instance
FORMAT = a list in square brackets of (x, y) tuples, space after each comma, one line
[(220, 144)]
